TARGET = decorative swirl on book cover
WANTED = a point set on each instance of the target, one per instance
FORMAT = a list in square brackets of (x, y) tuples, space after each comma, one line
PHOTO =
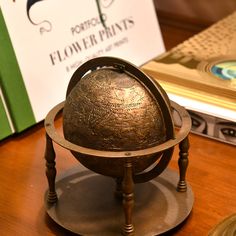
[(46, 25)]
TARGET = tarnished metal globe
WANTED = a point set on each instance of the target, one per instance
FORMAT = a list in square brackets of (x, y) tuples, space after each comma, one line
[(111, 110)]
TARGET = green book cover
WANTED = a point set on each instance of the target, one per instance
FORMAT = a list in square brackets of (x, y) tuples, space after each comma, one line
[(6, 128), (12, 83)]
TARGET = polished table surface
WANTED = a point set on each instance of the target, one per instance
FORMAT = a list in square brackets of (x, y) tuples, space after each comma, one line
[(211, 174)]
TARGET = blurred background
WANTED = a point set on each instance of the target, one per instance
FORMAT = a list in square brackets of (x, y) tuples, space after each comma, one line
[(193, 14)]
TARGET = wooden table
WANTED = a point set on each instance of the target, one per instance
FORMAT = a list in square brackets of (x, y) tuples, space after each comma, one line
[(211, 174)]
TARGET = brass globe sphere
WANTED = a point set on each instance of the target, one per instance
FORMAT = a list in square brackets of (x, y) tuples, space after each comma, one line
[(110, 109)]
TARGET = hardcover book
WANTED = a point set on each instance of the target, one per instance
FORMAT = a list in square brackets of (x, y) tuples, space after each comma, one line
[(43, 42), (5, 120), (200, 74)]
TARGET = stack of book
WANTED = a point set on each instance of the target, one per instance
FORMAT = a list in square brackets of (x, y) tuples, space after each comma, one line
[(200, 74)]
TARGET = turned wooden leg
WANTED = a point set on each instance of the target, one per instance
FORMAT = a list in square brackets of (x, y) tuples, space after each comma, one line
[(128, 198), (50, 170), (183, 164), (118, 191)]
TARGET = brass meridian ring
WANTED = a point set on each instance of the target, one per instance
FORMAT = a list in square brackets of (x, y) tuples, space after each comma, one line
[(53, 134)]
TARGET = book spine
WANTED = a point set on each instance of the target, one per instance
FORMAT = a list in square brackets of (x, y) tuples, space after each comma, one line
[(6, 127), (12, 83)]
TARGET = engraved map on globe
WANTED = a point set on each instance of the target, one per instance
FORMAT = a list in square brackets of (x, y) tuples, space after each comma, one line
[(111, 110)]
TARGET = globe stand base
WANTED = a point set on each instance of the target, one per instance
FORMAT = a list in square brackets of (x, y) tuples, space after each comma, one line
[(87, 206)]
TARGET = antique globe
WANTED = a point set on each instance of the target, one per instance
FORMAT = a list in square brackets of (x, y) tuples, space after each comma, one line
[(117, 122), (111, 109)]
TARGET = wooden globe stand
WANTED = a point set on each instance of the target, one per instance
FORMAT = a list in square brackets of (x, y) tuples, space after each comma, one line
[(150, 208)]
